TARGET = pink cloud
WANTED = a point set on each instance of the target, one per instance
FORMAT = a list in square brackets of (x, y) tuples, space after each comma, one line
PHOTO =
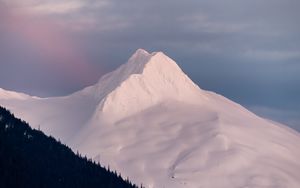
[(50, 40)]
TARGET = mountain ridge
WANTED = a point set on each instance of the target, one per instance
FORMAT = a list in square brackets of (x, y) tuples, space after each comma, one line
[(7, 94)]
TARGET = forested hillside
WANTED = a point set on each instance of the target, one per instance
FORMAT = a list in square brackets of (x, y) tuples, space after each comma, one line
[(29, 158)]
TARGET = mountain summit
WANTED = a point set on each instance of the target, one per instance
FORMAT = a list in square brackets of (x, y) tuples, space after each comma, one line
[(150, 122), (145, 80)]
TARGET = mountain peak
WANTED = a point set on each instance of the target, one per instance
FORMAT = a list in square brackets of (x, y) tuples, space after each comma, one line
[(144, 53), (141, 56), (145, 80), (142, 60), (141, 51)]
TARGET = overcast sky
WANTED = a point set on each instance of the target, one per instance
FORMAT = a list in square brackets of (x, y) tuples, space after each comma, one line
[(248, 51)]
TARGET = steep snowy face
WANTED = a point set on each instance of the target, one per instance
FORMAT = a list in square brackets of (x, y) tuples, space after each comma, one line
[(145, 80)]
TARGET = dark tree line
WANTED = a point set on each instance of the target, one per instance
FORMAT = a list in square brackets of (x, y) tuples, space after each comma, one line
[(29, 158)]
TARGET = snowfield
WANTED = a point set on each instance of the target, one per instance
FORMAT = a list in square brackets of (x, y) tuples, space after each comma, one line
[(150, 122)]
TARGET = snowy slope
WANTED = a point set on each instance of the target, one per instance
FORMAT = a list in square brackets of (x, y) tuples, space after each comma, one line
[(150, 122), (4, 94)]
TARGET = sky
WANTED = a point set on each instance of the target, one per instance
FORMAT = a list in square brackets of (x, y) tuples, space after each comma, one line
[(248, 51)]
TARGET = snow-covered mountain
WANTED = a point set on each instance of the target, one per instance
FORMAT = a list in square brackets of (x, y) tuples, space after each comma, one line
[(150, 122)]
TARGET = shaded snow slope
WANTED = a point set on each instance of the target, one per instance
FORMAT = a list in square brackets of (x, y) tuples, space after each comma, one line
[(149, 121)]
